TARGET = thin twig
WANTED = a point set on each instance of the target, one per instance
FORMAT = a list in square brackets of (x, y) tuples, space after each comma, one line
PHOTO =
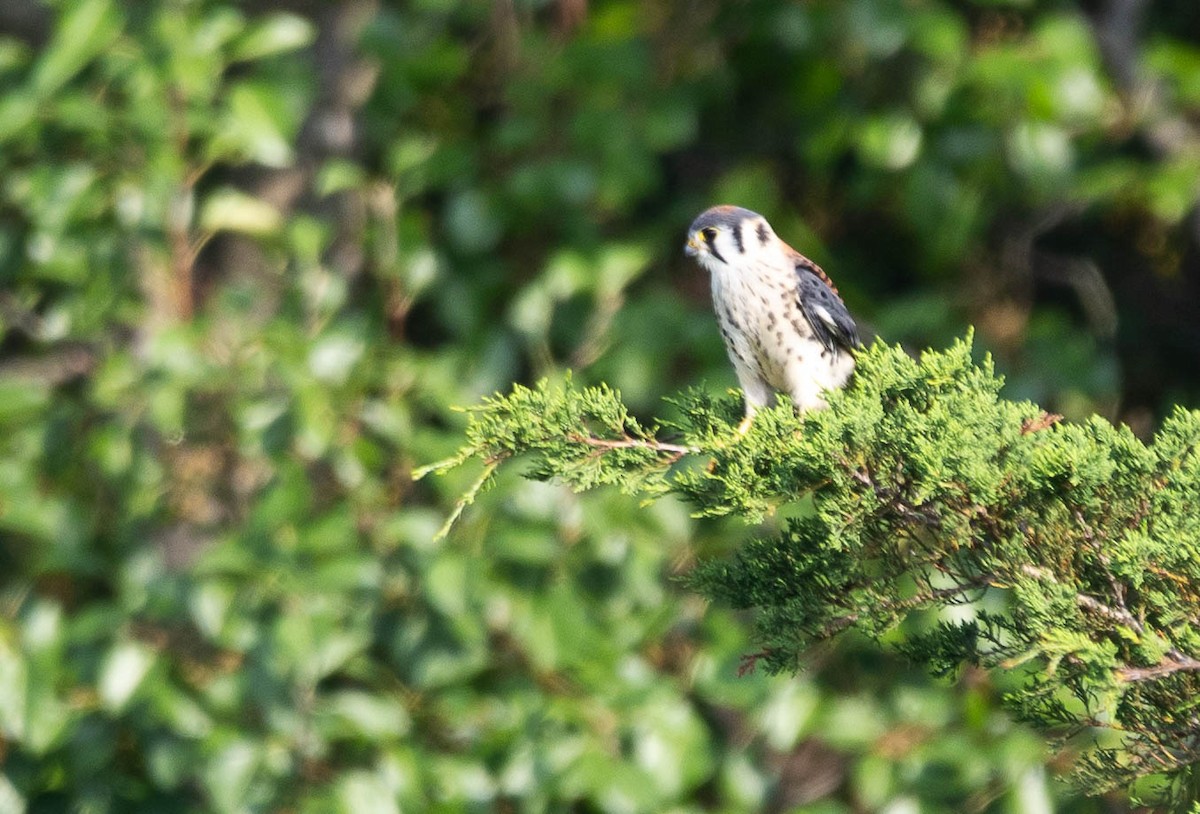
[(1121, 616), (467, 499), (1169, 666), (675, 450)]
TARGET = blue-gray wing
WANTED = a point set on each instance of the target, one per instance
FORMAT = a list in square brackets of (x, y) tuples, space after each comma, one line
[(823, 308)]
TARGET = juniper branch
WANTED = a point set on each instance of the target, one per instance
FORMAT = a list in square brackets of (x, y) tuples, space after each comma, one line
[(674, 451), (921, 474)]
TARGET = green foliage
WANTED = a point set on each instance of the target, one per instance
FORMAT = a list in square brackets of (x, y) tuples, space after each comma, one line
[(1065, 552), (250, 254)]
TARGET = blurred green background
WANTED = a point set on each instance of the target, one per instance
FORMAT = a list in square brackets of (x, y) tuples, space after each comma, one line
[(253, 254)]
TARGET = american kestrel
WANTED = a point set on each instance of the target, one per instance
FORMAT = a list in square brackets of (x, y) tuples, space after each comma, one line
[(785, 327)]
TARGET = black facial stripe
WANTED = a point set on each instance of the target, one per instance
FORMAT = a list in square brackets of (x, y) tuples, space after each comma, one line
[(737, 238), (762, 233), (712, 248)]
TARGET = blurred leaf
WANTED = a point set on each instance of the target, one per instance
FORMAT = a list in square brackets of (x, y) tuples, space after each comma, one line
[(472, 221), (17, 112), (123, 670), (274, 34), (87, 27), (671, 745), (333, 358), (234, 211), (366, 793), (1040, 151), (891, 142), (223, 584), (11, 801), (254, 127), (365, 715), (12, 690), (229, 773)]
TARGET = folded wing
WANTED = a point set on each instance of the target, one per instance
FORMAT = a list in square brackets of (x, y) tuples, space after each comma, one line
[(823, 308)]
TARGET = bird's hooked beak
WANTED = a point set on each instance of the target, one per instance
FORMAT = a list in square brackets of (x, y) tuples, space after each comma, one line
[(692, 249)]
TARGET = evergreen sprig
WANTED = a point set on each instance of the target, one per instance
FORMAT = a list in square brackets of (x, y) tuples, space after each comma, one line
[(1070, 552)]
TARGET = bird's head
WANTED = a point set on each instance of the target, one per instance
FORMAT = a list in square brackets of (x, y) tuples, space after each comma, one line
[(727, 235)]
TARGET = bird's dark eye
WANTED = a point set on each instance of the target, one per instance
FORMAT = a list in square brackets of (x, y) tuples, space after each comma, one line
[(709, 234)]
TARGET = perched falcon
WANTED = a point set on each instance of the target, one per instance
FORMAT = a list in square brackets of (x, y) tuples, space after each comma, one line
[(784, 325)]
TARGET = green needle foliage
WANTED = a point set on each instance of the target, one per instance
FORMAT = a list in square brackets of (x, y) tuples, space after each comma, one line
[(929, 513)]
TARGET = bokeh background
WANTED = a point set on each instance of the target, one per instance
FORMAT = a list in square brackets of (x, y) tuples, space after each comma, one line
[(253, 254)]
